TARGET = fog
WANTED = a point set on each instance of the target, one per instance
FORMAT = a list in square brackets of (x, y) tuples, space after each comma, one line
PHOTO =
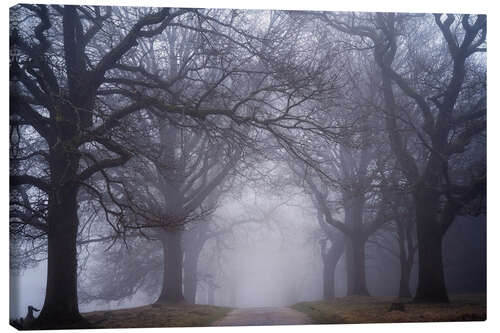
[(276, 261), (243, 158)]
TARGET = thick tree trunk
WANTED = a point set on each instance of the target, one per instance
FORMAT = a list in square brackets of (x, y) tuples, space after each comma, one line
[(404, 279), (355, 244), (431, 285), (358, 282), (190, 273), (349, 266), (328, 277), (171, 291), (405, 263), (329, 265), (60, 307)]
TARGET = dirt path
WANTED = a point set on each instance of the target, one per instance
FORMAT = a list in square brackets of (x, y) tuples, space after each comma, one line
[(263, 316)]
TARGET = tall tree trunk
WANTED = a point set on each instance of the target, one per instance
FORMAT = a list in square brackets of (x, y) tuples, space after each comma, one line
[(355, 251), (60, 306), (404, 262), (349, 266), (190, 273), (171, 291), (358, 283), (328, 277), (329, 265), (431, 285), (404, 278)]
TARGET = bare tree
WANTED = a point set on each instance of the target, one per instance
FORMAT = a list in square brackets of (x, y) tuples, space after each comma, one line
[(447, 100), (55, 77), (125, 122), (74, 79)]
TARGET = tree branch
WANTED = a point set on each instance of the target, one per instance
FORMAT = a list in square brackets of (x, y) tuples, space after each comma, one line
[(17, 180)]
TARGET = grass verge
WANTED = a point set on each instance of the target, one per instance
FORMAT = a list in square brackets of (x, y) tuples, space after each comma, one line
[(164, 315), (356, 309)]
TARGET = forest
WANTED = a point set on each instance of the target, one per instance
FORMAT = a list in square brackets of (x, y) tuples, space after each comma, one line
[(218, 161)]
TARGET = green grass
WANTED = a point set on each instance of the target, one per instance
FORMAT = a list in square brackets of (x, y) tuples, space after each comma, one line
[(356, 309), (164, 315)]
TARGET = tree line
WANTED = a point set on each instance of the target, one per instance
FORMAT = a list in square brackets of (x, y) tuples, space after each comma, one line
[(128, 125)]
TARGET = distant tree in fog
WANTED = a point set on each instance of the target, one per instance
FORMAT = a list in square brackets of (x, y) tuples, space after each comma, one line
[(332, 249), (360, 219), (347, 178), (401, 228)]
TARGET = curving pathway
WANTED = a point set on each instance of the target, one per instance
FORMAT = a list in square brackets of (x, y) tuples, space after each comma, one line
[(263, 316)]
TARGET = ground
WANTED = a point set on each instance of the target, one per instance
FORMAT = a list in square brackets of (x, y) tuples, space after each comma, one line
[(263, 316), (343, 310), (165, 315), (350, 310), (194, 315)]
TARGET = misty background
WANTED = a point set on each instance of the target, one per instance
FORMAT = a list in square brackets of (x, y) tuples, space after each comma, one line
[(277, 262), (243, 158)]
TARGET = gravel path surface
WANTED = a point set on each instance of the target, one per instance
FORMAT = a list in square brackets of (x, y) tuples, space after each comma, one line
[(263, 316)]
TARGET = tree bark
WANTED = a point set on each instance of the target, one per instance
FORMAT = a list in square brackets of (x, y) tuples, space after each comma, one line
[(431, 284), (355, 243), (328, 276), (404, 279), (405, 260), (358, 278), (348, 266), (171, 291), (60, 306), (190, 272), (330, 262)]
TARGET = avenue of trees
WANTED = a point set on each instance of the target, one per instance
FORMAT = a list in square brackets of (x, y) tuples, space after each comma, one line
[(129, 126)]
